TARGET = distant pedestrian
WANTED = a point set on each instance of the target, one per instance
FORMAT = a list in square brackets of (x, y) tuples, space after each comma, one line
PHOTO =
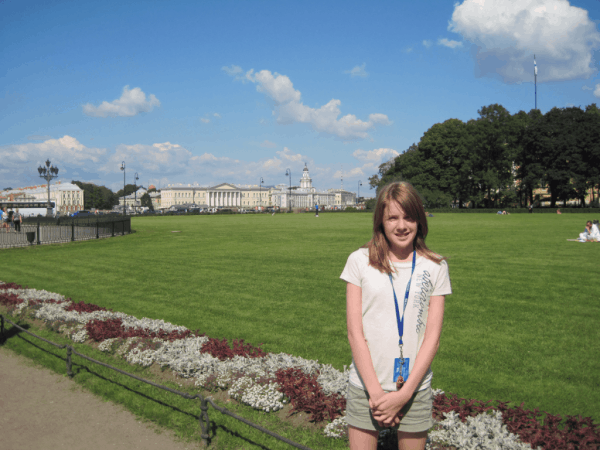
[(10, 220), (3, 217), (316, 210), (17, 219)]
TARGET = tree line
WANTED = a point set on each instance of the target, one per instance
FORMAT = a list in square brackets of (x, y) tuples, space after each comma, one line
[(499, 159), (101, 197)]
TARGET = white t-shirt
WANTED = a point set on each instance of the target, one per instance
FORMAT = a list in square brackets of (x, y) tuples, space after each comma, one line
[(380, 326)]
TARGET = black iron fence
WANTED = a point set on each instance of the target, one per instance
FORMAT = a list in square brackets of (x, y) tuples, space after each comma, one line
[(48, 230), (204, 401)]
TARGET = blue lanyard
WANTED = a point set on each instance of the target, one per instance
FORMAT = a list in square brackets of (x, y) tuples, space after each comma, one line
[(401, 321)]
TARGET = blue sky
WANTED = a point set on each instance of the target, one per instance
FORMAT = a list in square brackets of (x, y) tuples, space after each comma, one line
[(231, 91)]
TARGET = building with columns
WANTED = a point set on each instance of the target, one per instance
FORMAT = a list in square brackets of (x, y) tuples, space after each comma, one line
[(226, 195)]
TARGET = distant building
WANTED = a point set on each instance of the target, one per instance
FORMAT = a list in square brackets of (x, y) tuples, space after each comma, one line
[(226, 195), (306, 196), (67, 197)]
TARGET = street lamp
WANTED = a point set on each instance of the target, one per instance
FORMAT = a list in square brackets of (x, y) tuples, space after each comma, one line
[(123, 169), (135, 178), (48, 173), (359, 185), (260, 192), (288, 172)]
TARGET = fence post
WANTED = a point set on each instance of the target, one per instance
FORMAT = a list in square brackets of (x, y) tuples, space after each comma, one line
[(113, 228), (204, 420), (72, 230), (69, 363), (97, 226), (38, 233), (123, 233), (1, 327)]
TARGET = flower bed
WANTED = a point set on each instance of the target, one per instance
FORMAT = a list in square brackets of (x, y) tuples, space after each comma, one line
[(268, 381)]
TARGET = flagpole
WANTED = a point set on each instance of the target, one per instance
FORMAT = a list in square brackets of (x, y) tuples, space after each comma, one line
[(535, 79)]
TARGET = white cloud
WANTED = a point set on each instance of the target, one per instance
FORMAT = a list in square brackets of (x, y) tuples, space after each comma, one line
[(449, 43), (597, 90), (217, 115), (163, 163), (375, 156), (587, 88), (161, 158), (358, 71), (204, 120), (289, 108), (132, 102), (408, 50), (427, 43), (233, 71), (508, 33), (20, 161), (268, 144)]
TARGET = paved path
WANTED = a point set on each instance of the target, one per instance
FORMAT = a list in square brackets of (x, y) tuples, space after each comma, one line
[(40, 409)]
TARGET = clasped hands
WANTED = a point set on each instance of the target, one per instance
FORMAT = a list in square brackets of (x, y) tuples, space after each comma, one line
[(386, 406)]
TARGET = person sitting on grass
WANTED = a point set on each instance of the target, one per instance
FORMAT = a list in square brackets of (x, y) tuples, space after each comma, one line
[(587, 233), (595, 231)]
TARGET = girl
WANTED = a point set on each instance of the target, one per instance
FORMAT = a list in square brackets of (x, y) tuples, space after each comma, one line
[(395, 296)]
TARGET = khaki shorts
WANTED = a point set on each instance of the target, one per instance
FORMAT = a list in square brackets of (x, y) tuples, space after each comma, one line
[(417, 412)]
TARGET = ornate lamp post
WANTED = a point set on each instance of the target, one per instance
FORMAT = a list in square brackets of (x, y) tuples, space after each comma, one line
[(135, 178), (48, 173), (260, 192), (359, 185), (123, 169), (288, 172)]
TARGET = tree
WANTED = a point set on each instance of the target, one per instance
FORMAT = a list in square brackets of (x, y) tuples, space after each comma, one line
[(96, 197), (129, 189), (494, 145), (146, 201)]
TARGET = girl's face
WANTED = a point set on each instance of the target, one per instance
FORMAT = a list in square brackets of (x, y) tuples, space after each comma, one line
[(399, 229)]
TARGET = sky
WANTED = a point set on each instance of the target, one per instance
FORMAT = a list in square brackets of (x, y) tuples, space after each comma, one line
[(210, 92)]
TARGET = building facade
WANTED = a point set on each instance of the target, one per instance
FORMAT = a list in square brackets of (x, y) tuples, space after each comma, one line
[(306, 196), (226, 195), (68, 197)]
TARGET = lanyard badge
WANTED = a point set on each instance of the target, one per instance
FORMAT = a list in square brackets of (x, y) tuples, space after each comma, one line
[(401, 365)]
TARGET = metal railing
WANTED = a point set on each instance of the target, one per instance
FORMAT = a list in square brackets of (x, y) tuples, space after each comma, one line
[(204, 401), (43, 230)]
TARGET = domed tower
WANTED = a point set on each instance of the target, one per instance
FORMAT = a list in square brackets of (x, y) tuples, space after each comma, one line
[(306, 180)]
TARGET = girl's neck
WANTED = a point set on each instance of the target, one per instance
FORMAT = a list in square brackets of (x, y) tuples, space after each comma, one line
[(401, 254)]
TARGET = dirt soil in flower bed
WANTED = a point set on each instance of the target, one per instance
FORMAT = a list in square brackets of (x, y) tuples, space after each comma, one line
[(41, 409)]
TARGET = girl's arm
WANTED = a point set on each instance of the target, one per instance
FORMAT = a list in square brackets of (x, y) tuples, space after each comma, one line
[(386, 408), (358, 343)]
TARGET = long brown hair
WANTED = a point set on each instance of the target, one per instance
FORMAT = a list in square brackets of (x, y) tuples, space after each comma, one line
[(409, 200)]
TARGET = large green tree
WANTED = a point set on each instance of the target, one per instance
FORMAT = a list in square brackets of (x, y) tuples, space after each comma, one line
[(96, 197), (146, 201)]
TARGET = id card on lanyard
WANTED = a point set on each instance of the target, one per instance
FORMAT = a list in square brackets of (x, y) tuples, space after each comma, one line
[(401, 365)]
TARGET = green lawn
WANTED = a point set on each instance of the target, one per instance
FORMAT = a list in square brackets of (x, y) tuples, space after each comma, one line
[(522, 324)]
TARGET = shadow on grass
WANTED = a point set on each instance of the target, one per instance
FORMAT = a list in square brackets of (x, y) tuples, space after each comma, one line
[(79, 368), (12, 332)]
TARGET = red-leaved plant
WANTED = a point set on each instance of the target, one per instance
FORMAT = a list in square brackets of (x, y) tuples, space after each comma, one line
[(100, 330), (220, 349), (306, 395), (533, 427), (82, 307)]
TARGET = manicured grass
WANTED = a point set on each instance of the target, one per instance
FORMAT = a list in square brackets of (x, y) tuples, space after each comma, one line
[(520, 326)]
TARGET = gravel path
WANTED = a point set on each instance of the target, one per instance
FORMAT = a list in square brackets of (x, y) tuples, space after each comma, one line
[(40, 409)]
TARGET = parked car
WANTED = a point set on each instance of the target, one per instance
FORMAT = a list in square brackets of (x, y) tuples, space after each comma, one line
[(82, 213)]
